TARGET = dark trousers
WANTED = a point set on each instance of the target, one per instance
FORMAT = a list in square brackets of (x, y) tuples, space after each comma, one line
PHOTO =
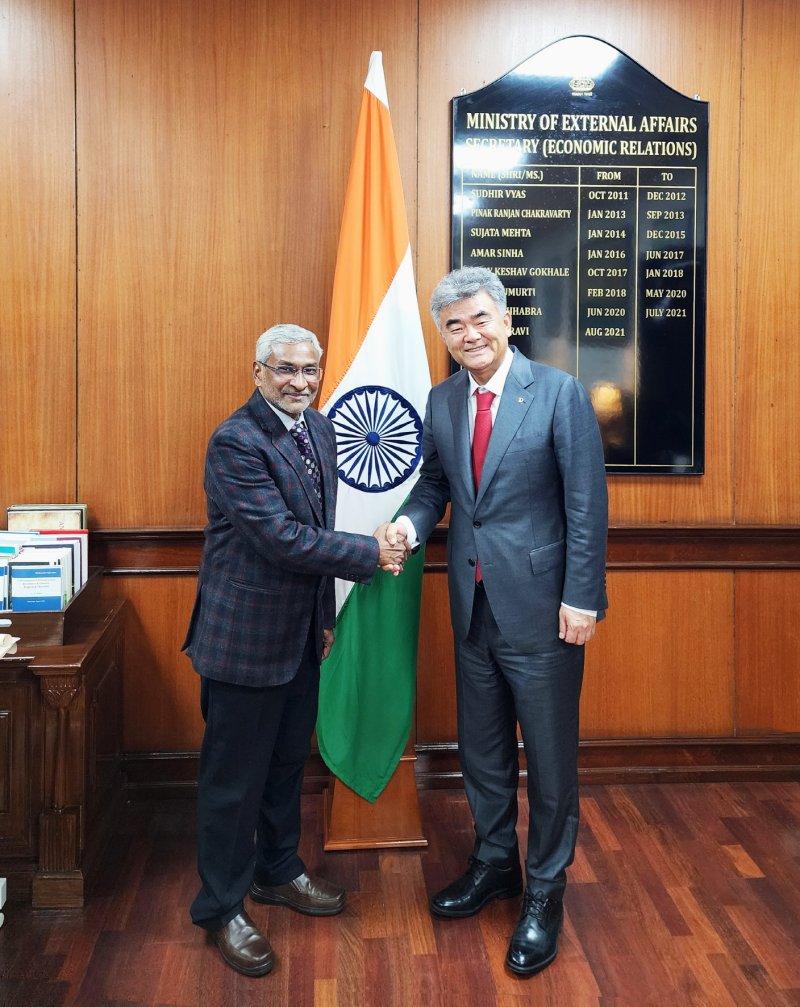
[(255, 746), (497, 687)]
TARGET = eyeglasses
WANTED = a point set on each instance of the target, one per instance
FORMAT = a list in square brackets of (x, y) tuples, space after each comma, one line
[(287, 371)]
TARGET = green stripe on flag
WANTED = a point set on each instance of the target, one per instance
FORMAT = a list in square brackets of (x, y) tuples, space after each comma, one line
[(367, 684)]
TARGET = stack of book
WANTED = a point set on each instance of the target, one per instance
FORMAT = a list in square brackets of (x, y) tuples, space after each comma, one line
[(44, 557)]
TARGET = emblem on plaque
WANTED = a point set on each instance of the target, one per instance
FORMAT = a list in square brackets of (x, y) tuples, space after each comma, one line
[(581, 85)]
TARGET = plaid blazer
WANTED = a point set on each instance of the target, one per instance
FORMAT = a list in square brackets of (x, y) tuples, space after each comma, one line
[(270, 555)]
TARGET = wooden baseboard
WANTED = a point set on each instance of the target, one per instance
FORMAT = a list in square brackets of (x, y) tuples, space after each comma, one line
[(701, 760), (690, 760)]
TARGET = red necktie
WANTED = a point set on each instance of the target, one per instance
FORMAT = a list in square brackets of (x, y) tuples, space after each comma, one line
[(480, 442)]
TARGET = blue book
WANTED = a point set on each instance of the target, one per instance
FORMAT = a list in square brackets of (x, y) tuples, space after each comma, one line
[(36, 588)]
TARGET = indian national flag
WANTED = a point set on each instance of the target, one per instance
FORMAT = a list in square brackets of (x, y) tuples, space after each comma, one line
[(375, 388)]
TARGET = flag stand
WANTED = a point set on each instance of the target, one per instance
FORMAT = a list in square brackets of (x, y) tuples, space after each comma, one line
[(351, 823)]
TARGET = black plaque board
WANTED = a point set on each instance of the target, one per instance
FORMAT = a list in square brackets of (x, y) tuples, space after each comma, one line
[(581, 179)]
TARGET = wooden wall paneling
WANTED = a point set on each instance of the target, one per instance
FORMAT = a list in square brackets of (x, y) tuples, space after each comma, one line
[(161, 711), (660, 666), (661, 663), (630, 671), (213, 147), (212, 150), (768, 353), (694, 48), (436, 676), (37, 252), (767, 649)]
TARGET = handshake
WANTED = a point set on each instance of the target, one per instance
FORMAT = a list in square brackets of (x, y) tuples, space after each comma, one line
[(394, 546)]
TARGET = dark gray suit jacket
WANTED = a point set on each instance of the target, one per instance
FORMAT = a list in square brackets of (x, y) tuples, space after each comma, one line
[(539, 521)]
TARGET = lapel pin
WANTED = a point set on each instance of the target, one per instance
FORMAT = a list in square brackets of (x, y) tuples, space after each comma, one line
[(521, 400)]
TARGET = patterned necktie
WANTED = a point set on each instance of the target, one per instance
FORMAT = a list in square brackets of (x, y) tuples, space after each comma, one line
[(480, 442), (301, 439)]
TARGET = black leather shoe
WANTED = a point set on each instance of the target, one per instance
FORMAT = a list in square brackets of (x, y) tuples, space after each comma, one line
[(480, 884), (311, 896), (534, 943), (244, 947)]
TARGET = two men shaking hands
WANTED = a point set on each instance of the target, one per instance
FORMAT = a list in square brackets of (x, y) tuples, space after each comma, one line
[(513, 447)]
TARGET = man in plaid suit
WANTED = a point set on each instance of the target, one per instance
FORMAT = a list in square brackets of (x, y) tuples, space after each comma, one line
[(262, 623)]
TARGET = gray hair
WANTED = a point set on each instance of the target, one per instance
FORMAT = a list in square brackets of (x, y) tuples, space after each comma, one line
[(284, 333), (463, 283)]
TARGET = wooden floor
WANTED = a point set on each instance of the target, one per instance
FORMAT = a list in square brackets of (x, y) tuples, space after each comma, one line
[(680, 894)]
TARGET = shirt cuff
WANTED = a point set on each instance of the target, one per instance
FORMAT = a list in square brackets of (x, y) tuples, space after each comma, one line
[(411, 532), (583, 611)]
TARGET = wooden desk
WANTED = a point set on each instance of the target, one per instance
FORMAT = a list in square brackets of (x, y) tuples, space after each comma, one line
[(60, 776)]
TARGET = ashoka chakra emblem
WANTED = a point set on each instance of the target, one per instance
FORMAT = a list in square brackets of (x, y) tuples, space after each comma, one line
[(379, 438)]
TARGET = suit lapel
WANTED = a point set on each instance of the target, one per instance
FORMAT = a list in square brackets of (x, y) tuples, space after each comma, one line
[(516, 400), (284, 444), (459, 416)]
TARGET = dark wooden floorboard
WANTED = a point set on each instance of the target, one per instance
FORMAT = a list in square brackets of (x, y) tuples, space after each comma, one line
[(681, 894)]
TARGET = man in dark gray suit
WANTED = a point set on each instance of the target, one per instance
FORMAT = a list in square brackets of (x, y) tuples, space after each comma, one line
[(261, 624), (514, 447)]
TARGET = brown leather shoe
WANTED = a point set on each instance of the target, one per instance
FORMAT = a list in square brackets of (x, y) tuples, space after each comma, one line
[(244, 947), (312, 896)]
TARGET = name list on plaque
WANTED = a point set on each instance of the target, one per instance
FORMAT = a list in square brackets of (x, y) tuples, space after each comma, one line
[(580, 179)]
